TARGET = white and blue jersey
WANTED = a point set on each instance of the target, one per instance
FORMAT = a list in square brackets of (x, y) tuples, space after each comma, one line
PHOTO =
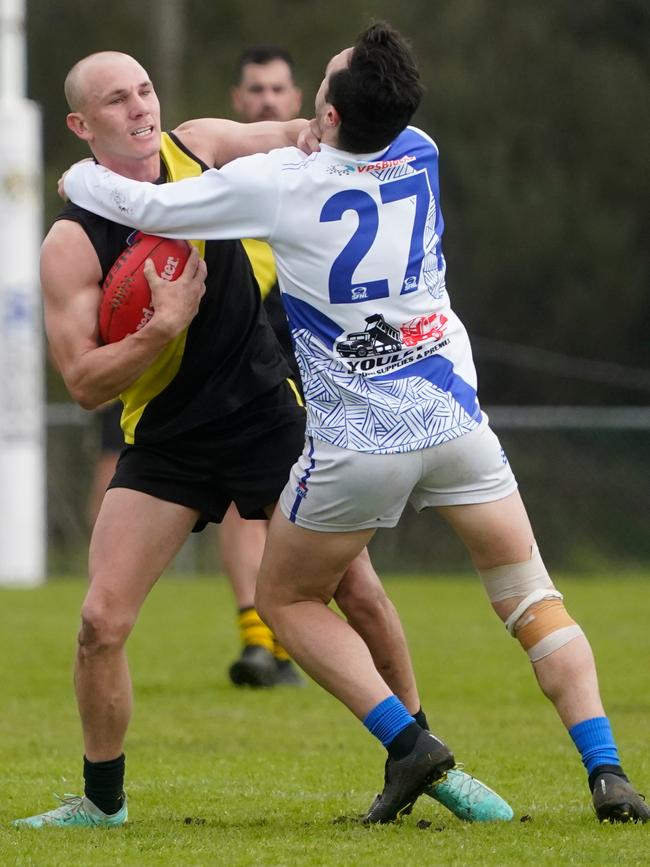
[(386, 365)]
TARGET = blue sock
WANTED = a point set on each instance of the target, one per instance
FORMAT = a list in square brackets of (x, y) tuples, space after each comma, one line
[(595, 742), (388, 719)]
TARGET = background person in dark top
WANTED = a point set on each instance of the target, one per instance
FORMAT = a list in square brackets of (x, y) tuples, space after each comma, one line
[(265, 90)]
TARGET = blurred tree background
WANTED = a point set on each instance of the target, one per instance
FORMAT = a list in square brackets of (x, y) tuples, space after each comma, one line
[(540, 111)]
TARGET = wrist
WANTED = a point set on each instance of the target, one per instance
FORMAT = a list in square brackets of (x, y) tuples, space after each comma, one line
[(157, 332)]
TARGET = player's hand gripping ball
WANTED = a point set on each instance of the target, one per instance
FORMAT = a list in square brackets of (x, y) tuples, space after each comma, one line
[(126, 306)]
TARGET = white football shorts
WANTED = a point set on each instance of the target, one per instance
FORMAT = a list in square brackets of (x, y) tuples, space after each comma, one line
[(331, 489)]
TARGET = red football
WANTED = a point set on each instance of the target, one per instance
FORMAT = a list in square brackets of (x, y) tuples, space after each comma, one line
[(126, 298)]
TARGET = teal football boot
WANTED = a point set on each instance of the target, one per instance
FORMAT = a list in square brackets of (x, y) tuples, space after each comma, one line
[(75, 811), (469, 799)]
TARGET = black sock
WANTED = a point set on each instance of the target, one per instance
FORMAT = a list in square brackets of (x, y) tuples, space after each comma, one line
[(421, 720), (104, 784), (617, 770), (403, 743)]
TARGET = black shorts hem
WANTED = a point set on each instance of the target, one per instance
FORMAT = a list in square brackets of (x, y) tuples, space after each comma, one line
[(244, 458)]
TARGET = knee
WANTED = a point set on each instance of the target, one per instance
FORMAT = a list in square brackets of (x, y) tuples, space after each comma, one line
[(275, 597), (362, 603), (360, 594), (102, 628), (533, 611)]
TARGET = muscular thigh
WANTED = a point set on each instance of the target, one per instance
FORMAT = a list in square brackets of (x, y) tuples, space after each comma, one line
[(301, 564), (134, 539), (495, 534)]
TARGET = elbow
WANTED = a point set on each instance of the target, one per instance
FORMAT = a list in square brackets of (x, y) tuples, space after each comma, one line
[(88, 404), (85, 396), (85, 399)]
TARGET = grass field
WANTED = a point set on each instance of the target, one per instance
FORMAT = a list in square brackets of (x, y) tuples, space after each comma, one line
[(221, 776)]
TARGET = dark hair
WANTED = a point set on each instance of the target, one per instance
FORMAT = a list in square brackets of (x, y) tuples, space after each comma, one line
[(262, 54), (378, 93)]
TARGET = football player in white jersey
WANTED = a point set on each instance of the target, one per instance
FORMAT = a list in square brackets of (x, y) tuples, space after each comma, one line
[(393, 414)]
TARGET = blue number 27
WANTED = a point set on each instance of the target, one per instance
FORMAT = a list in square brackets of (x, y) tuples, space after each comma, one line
[(342, 288)]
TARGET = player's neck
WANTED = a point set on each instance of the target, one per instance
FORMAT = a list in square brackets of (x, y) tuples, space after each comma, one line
[(330, 137), (147, 169)]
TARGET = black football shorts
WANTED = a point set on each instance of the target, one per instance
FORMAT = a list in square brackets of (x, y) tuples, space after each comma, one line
[(243, 458)]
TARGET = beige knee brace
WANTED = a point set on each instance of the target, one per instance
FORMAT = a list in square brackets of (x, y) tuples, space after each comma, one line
[(540, 622)]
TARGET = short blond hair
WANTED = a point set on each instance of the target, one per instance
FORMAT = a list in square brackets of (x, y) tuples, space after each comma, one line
[(74, 86)]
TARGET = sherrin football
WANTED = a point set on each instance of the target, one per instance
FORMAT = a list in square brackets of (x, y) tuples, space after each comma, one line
[(125, 306)]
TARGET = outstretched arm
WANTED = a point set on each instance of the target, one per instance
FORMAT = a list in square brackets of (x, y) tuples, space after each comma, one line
[(217, 141), (239, 201)]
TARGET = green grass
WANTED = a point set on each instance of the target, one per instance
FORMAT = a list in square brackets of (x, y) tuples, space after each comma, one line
[(262, 775)]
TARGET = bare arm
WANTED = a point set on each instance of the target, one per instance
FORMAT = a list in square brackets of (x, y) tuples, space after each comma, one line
[(70, 277), (217, 141)]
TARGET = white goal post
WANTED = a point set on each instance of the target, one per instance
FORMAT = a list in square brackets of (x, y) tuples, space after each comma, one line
[(22, 434)]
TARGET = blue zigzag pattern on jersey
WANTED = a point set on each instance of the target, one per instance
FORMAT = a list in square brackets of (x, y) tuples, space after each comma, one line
[(380, 414), (439, 371)]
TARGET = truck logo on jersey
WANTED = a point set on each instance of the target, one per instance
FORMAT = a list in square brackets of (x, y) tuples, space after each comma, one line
[(378, 338), (423, 328), (381, 347)]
